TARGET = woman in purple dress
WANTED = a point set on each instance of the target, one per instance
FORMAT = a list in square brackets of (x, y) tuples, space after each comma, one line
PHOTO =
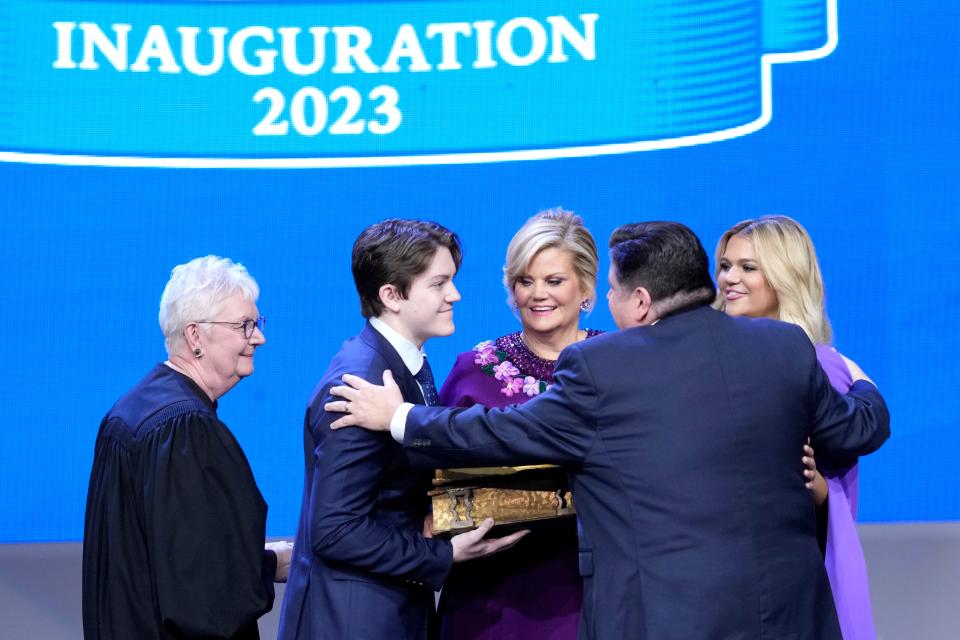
[(533, 589), (768, 268)]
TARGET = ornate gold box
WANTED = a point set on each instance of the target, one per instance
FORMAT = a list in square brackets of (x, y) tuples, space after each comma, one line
[(463, 498)]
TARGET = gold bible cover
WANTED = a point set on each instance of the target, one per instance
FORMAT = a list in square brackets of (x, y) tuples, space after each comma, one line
[(463, 498)]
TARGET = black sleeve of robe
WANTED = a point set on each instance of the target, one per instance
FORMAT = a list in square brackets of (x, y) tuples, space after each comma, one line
[(205, 523)]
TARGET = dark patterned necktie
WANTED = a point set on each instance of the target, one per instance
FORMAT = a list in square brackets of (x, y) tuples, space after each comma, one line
[(425, 378)]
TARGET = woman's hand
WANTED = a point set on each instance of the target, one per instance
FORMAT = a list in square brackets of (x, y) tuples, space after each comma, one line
[(815, 482), (284, 552)]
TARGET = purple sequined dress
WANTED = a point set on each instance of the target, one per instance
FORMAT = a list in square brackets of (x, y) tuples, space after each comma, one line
[(532, 591), (846, 566)]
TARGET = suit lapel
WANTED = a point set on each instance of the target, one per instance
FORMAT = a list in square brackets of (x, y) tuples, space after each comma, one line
[(405, 380)]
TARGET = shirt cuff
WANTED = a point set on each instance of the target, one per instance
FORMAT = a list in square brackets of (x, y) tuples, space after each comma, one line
[(398, 423)]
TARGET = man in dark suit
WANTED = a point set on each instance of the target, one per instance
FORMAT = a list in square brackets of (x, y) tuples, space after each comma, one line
[(680, 433), (363, 568)]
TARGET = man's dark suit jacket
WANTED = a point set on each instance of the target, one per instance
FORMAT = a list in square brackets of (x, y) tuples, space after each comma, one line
[(683, 441), (361, 567)]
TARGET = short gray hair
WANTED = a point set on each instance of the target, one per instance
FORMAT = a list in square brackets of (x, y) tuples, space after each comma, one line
[(196, 291)]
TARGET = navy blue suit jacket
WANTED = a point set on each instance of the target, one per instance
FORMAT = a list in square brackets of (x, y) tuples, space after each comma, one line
[(361, 567), (683, 441)]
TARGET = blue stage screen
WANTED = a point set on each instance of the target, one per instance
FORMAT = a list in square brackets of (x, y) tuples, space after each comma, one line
[(843, 115)]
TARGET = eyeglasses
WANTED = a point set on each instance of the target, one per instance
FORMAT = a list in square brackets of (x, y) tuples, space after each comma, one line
[(247, 326)]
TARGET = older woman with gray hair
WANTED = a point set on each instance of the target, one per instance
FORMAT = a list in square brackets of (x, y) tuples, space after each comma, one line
[(173, 543)]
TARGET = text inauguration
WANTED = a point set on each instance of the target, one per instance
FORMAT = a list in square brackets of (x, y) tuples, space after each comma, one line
[(261, 50)]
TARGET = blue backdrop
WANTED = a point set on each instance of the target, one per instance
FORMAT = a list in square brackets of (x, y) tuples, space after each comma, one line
[(861, 148)]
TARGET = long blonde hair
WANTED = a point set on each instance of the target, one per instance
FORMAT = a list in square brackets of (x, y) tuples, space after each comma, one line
[(788, 260)]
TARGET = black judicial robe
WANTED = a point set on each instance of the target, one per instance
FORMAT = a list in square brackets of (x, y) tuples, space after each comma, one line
[(175, 523)]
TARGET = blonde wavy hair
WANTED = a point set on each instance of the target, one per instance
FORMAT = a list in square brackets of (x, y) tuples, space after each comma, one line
[(553, 228), (786, 256)]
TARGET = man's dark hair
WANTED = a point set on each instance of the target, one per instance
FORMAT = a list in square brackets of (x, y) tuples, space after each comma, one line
[(667, 259), (395, 252)]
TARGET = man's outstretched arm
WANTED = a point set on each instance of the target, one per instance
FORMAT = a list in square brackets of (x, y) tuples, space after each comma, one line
[(558, 426)]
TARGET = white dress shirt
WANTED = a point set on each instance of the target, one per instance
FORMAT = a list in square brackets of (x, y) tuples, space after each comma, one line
[(413, 359)]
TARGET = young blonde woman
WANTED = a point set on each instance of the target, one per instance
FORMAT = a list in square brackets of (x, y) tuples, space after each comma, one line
[(768, 267)]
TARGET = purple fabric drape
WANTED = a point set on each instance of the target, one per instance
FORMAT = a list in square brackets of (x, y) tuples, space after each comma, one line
[(844, 559)]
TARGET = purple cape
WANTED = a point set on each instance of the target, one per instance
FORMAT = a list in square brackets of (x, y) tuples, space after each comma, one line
[(844, 560)]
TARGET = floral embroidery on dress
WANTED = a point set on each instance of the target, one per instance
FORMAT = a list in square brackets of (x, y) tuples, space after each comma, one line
[(512, 387), (531, 386), (505, 371), (509, 360), (486, 354)]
